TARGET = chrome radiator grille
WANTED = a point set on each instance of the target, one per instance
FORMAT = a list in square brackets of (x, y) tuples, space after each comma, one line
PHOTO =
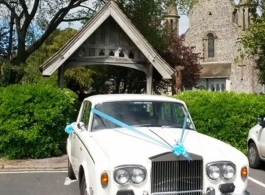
[(177, 176)]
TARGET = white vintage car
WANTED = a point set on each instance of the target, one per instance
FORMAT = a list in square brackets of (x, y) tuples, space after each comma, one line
[(256, 144), (127, 144)]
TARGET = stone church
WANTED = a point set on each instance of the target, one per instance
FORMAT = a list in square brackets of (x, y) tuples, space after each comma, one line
[(215, 28)]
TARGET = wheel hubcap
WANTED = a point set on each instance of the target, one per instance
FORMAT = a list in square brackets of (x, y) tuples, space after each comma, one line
[(252, 155)]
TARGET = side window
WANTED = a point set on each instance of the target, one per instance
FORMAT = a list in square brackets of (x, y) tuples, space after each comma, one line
[(86, 113)]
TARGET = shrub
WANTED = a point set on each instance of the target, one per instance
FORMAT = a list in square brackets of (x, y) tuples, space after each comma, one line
[(33, 118), (226, 116)]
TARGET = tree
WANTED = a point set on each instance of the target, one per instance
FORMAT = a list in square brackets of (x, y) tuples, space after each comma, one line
[(46, 15), (77, 79), (253, 40), (183, 59)]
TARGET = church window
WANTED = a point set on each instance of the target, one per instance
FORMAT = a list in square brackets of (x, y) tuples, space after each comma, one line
[(235, 17), (210, 45), (171, 24)]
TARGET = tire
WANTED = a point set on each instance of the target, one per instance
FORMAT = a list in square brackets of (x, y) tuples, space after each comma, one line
[(253, 156), (83, 187), (71, 173)]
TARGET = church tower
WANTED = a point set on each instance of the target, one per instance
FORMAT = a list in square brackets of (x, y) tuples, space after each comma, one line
[(244, 14), (171, 17)]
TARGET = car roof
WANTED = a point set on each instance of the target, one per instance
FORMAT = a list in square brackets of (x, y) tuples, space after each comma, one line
[(95, 99)]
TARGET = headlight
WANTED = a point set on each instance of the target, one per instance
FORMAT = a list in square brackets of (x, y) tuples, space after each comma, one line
[(214, 172), (129, 173), (223, 169), (138, 175), (121, 176), (228, 171)]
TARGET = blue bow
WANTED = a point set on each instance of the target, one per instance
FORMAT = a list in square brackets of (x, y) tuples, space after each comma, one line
[(179, 149), (69, 128)]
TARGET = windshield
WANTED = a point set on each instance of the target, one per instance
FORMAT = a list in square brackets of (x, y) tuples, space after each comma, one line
[(142, 114)]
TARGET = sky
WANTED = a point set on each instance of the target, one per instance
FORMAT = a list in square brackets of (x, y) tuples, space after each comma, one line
[(183, 24)]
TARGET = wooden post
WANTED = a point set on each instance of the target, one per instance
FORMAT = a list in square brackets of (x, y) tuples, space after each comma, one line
[(61, 76), (177, 80), (149, 79)]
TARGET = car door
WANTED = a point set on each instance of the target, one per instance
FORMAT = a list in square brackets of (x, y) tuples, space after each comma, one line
[(77, 146)]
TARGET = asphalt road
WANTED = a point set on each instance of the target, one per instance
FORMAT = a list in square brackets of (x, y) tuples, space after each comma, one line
[(53, 183), (256, 184), (36, 183)]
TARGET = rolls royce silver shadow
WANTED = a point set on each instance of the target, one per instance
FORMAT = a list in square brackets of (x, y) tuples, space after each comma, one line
[(127, 144)]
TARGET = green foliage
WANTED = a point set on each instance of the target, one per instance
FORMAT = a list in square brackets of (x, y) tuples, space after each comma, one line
[(53, 43), (226, 116), (185, 5), (146, 16), (33, 118), (254, 43), (76, 79), (254, 40), (9, 73)]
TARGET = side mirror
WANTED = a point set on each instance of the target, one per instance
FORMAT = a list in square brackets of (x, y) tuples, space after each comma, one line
[(261, 121), (81, 126)]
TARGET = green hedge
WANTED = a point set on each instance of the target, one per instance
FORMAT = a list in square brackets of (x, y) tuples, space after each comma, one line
[(226, 116), (33, 118)]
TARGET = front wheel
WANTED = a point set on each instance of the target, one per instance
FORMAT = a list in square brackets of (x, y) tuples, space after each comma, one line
[(71, 173), (83, 187), (253, 156)]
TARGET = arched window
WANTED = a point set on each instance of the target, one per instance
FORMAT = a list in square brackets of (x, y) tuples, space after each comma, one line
[(210, 45), (235, 16)]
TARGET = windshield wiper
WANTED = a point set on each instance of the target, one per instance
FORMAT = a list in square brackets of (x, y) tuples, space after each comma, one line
[(171, 126), (175, 126)]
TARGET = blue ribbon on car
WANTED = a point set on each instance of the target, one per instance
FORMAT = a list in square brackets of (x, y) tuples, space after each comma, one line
[(69, 128), (178, 149)]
